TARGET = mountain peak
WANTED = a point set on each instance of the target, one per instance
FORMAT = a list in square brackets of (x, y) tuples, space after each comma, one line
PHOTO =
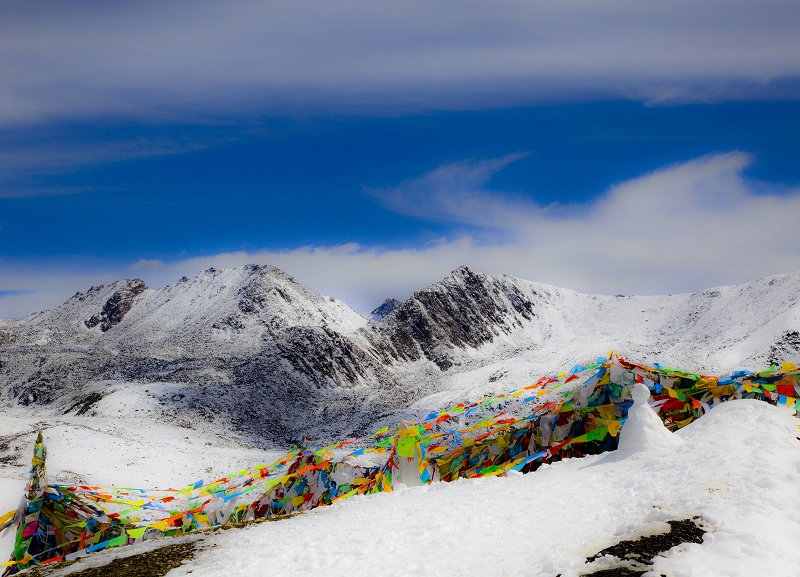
[(462, 271), (387, 307)]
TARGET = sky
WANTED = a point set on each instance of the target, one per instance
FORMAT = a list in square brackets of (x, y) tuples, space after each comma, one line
[(370, 148)]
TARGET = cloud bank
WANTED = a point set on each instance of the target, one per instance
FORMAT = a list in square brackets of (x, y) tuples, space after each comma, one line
[(199, 59), (681, 228)]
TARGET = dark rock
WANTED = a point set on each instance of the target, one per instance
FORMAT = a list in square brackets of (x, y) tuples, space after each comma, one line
[(116, 307), (635, 555), (788, 347), (387, 307), (466, 309)]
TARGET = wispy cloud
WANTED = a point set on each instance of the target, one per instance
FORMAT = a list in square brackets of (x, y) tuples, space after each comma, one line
[(31, 162), (168, 59), (680, 228), (454, 192), (144, 264)]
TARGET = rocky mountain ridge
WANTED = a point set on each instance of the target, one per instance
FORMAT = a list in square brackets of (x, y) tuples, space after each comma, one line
[(256, 351)]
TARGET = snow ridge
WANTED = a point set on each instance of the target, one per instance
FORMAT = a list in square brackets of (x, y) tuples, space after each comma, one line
[(254, 350)]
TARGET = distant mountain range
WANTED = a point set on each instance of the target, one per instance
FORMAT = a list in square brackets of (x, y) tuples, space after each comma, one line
[(254, 350)]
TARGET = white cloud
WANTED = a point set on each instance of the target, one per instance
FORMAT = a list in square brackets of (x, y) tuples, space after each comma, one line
[(682, 228)]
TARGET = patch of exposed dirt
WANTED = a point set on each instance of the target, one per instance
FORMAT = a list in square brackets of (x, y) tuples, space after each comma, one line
[(635, 555), (155, 563)]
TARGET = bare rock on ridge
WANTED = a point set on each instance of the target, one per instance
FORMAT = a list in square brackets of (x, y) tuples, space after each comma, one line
[(117, 306)]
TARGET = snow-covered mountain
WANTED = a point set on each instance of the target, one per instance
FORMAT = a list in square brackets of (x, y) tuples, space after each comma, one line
[(255, 351)]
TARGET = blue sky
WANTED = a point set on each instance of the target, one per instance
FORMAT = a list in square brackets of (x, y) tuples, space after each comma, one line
[(370, 148)]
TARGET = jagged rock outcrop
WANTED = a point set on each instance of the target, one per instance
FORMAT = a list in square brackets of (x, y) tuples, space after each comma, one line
[(117, 306), (787, 347), (464, 310)]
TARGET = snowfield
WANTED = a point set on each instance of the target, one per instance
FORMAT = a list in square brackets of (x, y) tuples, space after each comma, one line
[(737, 469)]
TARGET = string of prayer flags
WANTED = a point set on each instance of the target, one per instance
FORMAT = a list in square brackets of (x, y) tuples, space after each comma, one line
[(56, 522)]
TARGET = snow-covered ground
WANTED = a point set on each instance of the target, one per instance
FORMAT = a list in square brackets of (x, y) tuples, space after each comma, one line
[(738, 469), (119, 446)]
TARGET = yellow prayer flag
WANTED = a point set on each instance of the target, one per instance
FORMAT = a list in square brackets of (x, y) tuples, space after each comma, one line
[(6, 517), (613, 427), (607, 412), (705, 383), (513, 463), (136, 533)]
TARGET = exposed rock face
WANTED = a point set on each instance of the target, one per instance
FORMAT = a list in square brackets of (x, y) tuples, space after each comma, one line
[(787, 347), (117, 306), (388, 306), (279, 361), (464, 310)]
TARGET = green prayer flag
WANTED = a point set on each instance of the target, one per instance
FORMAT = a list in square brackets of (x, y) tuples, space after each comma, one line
[(405, 446), (598, 434)]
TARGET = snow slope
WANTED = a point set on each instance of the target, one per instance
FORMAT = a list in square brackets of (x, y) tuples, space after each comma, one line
[(738, 469), (233, 311)]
